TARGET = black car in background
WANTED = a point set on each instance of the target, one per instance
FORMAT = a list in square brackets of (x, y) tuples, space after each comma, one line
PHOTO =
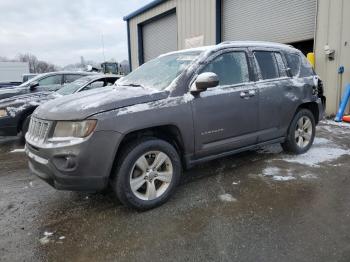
[(44, 82), (15, 112)]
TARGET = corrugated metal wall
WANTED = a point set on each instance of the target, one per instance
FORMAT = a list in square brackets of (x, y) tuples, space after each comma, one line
[(166, 6), (194, 18), (268, 20), (333, 21)]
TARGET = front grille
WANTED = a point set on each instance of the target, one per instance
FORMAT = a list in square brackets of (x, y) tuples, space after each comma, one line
[(38, 130)]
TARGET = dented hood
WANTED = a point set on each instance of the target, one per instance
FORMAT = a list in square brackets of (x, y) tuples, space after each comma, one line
[(84, 104)]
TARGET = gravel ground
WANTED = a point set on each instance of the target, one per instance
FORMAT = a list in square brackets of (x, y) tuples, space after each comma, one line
[(261, 205)]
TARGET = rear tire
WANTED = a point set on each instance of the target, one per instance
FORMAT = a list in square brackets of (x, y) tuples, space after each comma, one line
[(147, 173), (301, 133)]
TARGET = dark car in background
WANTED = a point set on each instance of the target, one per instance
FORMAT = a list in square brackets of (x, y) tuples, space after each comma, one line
[(15, 112), (178, 110), (44, 82)]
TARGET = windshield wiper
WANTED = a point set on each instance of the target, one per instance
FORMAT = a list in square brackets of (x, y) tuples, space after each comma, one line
[(132, 84)]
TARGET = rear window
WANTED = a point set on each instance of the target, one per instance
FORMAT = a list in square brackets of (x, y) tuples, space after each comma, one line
[(267, 64)]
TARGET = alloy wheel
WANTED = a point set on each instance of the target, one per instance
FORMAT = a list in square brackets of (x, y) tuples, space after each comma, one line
[(303, 132), (151, 175)]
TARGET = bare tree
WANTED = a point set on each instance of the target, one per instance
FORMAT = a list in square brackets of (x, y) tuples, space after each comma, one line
[(36, 66)]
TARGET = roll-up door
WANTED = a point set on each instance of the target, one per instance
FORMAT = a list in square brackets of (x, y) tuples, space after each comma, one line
[(159, 36), (284, 21)]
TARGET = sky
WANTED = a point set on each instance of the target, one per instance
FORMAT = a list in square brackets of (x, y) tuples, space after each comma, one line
[(61, 31)]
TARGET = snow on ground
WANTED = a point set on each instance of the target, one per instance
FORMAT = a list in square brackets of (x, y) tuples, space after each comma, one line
[(227, 198), (283, 178), (277, 174), (17, 150), (322, 151)]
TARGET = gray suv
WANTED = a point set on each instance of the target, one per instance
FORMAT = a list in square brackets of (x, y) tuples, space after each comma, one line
[(173, 112)]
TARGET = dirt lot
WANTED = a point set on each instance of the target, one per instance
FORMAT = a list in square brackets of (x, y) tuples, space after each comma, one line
[(258, 206)]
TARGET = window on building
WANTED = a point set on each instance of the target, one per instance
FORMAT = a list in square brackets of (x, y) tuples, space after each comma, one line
[(267, 64), (231, 68), (51, 80)]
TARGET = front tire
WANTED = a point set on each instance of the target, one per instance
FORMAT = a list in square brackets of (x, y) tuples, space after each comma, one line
[(147, 173), (301, 133)]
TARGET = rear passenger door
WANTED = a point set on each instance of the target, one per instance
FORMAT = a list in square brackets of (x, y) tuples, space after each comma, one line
[(273, 86), (226, 116)]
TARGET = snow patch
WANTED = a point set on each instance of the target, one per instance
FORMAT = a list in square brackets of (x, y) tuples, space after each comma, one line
[(18, 150), (227, 198), (338, 124), (283, 178), (317, 155), (309, 176)]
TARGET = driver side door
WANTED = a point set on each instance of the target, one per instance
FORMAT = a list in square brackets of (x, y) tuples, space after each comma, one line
[(50, 83), (226, 116)]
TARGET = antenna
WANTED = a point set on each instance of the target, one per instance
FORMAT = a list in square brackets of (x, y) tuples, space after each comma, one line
[(103, 48)]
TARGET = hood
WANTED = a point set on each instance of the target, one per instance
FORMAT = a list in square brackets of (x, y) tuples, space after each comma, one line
[(24, 99), (12, 91), (84, 104), (17, 104)]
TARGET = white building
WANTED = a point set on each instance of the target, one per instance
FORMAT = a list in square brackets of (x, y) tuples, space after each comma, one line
[(13, 71), (310, 25)]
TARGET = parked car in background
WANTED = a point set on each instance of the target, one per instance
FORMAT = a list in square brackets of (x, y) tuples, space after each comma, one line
[(173, 112), (26, 77), (44, 82), (9, 84), (15, 112)]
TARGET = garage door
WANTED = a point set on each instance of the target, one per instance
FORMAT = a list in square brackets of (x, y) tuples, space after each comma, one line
[(159, 37), (284, 21)]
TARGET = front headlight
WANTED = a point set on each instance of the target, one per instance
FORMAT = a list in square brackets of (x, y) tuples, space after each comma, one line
[(73, 129), (3, 112)]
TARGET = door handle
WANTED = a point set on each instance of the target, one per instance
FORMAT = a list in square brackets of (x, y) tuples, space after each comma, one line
[(251, 93), (247, 94), (243, 94)]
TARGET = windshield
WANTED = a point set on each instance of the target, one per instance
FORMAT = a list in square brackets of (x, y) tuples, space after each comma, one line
[(160, 72), (74, 86)]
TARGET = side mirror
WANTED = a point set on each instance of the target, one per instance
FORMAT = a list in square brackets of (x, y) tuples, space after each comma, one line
[(33, 85), (205, 81)]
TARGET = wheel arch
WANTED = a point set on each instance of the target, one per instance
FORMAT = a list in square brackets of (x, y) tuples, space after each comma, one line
[(169, 132), (23, 115), (313, 107)]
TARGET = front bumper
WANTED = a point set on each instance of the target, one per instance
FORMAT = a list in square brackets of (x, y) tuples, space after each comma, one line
[(80, 167)]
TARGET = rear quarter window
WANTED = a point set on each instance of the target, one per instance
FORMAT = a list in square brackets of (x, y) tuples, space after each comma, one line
[(299, 66), (267, 64)]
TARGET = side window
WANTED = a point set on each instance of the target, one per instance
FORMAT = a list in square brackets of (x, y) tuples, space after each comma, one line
[(93, 85), (280, 64), (110, 81), (267, 64), (71, 78), (51, 80), (293, 61), (231, 68)]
